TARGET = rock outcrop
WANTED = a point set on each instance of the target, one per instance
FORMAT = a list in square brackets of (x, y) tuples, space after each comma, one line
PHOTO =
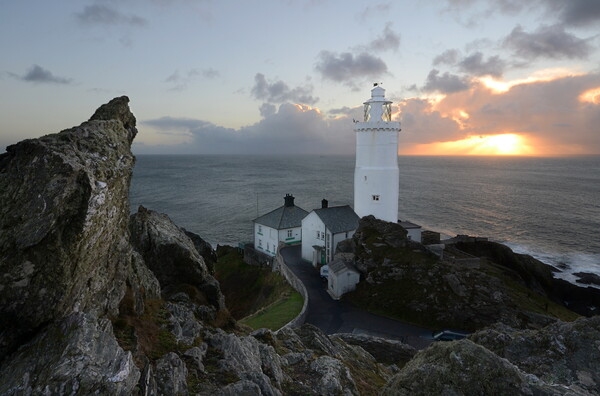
[(560, 359), (63, 223), (403, 279)]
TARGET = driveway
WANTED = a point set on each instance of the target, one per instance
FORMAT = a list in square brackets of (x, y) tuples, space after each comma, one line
[(333, 316)]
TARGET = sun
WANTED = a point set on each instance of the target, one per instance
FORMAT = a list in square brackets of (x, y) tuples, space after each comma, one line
[(507, 144)]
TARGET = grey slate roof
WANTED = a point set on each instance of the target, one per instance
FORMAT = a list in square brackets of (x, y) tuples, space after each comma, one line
[(283, 217), (339, 265), (338, 218)]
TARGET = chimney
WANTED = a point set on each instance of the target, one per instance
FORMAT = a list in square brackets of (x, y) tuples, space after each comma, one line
[(324, 204), (288, 200)]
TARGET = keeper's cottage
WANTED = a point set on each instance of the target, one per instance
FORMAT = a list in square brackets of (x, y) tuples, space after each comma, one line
[(280, 225)]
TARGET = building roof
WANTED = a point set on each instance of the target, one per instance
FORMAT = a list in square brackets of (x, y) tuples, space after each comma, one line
[(407, 225), (283, 217), (338, 218), (339, 265)]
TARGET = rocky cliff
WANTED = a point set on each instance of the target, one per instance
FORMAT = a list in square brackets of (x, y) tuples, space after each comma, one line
[(95, 301)]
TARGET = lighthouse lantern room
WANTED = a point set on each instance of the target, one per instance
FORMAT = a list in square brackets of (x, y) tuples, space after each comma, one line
[(376, 175)]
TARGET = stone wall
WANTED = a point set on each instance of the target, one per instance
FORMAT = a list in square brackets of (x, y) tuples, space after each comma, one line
[(296, 283), (254, 257)]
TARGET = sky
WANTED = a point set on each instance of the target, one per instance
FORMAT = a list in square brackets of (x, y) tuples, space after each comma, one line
[(467, 77)]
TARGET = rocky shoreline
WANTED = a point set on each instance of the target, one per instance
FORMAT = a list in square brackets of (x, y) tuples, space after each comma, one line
[(95, 301)]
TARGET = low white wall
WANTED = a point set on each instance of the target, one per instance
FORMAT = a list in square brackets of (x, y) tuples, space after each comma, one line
[(296, 283)]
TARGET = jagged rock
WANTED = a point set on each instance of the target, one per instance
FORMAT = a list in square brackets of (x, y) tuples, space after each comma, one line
[(63, 223), (197, 354), (335, 378), (171, 375), (172, 257), (587, 278), (464, 368), (241, 388), (142, 283), (562, 353), (204, 249), (183, 323), (383, 350), (77, 356)]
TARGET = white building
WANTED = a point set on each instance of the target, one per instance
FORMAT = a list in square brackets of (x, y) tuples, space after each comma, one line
[(323, 229), (280, 225), (376, 175), (343, 278), (414, 230)]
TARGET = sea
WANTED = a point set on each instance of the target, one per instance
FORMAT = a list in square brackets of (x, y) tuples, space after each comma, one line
[(546, 207)]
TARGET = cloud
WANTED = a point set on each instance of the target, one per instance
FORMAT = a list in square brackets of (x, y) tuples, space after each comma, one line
[(389, 40), (476, 66), (445, 83), (38, 75), (576, 12), (547, 42), (291, 129), (280, 92), (448, 57), (181, 81), (98, 14), (376, 10), (347, 67)]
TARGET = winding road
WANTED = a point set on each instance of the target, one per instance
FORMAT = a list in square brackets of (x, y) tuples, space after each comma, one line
[(333, 316)]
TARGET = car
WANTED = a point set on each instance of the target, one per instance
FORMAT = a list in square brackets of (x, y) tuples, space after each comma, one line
[(324, 272), (449, 335)]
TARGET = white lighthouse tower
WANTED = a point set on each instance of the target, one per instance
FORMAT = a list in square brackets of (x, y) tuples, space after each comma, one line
[(376, 175)]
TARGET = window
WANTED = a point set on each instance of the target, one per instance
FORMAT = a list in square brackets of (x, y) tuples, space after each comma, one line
[(376, 197), (289, 233), (260, 243), (318, 234), (260, 229)]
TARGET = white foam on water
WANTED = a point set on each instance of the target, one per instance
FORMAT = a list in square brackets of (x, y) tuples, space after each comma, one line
[(567, 263)]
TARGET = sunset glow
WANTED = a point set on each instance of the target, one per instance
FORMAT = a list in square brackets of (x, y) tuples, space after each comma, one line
[(503, 144), (500, 86), (591, 96)]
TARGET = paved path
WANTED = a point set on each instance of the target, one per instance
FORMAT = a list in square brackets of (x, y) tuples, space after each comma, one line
[(333, 316)]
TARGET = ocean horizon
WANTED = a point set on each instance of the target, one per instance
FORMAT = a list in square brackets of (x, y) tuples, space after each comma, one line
[(545, 207)]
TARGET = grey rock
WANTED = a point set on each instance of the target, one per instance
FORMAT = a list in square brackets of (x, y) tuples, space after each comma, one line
[(172, 257), (383, 350), (561, 353), (63, 223), (147, 383), (75, 356), (197, 354), (204, 249), (142, 283), (334, 377), (241, 388), (183, 323), (171, 375), (464, 368)]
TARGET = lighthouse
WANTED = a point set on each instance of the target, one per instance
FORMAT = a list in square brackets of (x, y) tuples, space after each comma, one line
[(376, 175)]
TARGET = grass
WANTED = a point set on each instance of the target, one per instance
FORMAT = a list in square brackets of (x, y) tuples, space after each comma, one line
[(247, 288), (277, 314)]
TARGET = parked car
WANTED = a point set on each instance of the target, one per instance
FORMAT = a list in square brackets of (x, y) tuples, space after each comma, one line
[(325, 272), (449, 335)]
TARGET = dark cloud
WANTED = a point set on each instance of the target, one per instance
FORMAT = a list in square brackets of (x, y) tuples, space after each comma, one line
[(475, 65), (445, 83), (280, 92), (448, 57), (38, 75), (347, 67), (576, 12), (292, 129), (547, 42), (98, 14), (389, 40)]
